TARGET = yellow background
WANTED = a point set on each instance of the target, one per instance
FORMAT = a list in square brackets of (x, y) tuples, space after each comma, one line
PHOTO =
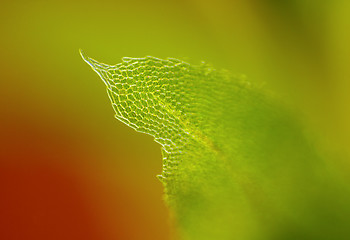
[(69, 170)]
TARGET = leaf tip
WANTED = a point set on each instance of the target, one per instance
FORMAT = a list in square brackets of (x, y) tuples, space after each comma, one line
[(82, 54), (93, 64), (87, 59)]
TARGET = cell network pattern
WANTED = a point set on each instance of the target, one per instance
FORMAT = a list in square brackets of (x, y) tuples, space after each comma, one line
[(236, 164), (175, 102)]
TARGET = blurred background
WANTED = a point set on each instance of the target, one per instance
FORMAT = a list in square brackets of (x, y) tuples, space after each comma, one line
[(69, 170)]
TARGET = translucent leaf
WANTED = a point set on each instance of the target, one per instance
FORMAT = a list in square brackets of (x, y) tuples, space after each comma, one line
[(236, 165)]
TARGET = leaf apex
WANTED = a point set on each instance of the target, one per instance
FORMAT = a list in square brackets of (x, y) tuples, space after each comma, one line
[(85, 57)]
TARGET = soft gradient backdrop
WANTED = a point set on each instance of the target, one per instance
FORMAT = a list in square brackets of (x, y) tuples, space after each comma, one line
[(69, 170)]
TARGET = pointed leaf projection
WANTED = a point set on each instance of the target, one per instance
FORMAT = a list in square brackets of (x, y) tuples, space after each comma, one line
[(235, 164)]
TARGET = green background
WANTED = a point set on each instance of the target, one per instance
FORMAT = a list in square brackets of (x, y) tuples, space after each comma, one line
[(69, 170)]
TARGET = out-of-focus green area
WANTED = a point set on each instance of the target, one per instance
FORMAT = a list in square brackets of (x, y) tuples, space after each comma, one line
[(55, 113)]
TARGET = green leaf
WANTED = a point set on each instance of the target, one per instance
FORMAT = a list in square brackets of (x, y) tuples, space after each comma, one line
[(236, 165)]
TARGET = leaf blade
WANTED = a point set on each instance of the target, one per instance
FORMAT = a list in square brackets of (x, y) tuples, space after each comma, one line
[(229, 152)]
